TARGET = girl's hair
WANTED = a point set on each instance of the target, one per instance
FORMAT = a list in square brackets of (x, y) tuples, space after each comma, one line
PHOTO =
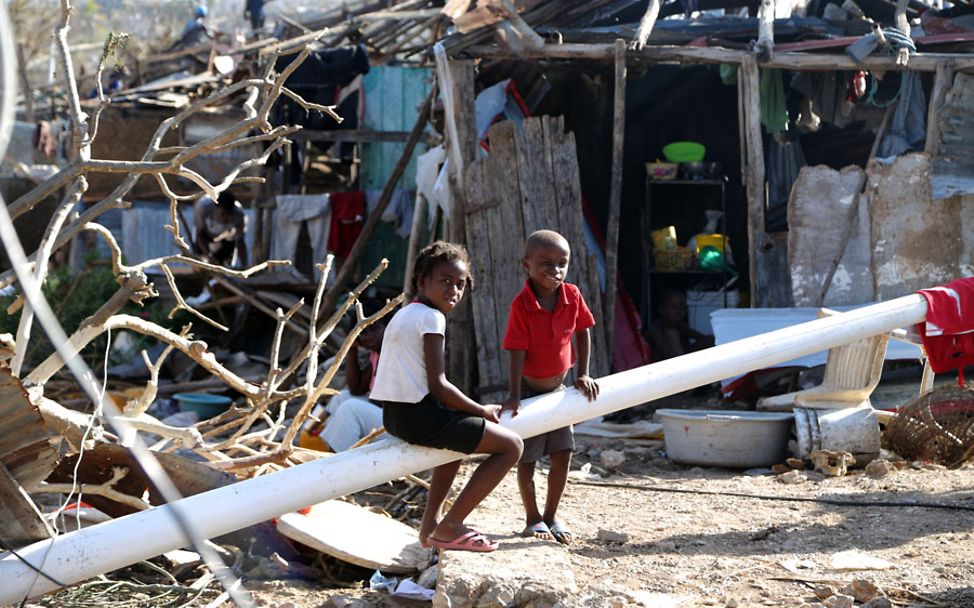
[(433, 254)]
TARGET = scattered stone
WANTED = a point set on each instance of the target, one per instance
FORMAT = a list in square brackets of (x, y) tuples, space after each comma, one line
[(649, 599), (832, 463), (612, 459), (796, 463), (763, 533), (857, 560), (618, 601), (823, 592), (428, 577), (344, 601), (779, 469), (879, 468), (732, 603), (878, 602), (610, 536), (709, 601), (840, 601), (468, 579), (790, 478), (862, 590)]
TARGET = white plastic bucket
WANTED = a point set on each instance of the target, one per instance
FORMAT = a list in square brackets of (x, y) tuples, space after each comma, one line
[(726, 438), (854, 430)]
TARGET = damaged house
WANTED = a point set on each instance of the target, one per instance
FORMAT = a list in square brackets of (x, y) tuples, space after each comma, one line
[(747, 155)]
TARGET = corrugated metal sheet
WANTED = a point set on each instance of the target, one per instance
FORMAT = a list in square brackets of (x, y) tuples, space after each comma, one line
[(142, 235)]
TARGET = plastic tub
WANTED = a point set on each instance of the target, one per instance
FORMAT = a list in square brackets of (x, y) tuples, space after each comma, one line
[(204, 404), (726, 438), (684, 152)]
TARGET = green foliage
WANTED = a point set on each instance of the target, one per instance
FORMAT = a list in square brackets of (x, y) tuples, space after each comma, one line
[(74, 298)]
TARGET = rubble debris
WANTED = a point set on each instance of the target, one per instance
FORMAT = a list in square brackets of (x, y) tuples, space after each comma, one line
[(862, 590), (611, 536), (363, 537), (612, 459), (791, 477), (857, 560), (832, 463), (500, 578), (879, 468)]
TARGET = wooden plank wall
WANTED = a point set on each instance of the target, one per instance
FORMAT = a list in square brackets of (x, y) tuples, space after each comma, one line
[(528, 182), (393, 97)]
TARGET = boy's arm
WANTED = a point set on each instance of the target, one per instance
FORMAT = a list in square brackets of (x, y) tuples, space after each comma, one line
[(444, 391), (513, 401), (356, 379), (584, 382)]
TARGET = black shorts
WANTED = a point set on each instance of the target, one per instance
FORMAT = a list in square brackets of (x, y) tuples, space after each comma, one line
[(430, 424)]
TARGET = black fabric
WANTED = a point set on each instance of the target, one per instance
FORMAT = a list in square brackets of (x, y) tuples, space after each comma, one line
[(429, 423), (317, 80)]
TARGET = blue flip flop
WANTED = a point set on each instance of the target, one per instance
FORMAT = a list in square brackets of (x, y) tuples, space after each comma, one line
[(536, 530), (561, 534)]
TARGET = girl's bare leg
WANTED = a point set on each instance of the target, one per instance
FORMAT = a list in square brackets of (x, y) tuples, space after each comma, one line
[(505, 447), (440, 485)]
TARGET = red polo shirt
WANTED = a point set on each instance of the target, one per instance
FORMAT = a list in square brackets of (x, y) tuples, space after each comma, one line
[(546, 336)]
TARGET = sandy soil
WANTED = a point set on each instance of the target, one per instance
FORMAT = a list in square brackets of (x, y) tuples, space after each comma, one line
[(716, 549)]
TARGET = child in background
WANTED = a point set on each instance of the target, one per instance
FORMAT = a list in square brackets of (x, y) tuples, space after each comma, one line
[(422, 407), (543, 319), (669, 334)]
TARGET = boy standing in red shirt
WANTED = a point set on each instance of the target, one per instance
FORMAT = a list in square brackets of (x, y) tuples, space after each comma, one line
[(543, 319)]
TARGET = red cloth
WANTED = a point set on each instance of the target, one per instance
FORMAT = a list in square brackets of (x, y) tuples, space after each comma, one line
[(347, 218), (546, 336), (948, 334)]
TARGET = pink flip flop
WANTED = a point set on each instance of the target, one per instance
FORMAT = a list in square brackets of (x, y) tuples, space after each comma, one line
[(468, 541)]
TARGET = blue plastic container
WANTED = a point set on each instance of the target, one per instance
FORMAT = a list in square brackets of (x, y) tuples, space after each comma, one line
[(204, 404)]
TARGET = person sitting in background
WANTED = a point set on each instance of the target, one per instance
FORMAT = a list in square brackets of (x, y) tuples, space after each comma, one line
[(350, 414), (220, 229), (669, 334)]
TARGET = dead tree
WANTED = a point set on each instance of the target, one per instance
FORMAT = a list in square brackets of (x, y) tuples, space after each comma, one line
[(244, 438)]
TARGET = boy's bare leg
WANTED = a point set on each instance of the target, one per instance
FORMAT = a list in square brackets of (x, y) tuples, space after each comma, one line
[(440, 485), (505, 447), (557, 479), (525, 485)]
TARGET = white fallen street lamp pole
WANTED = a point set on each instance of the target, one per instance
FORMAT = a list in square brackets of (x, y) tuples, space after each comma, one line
[(80, 555)]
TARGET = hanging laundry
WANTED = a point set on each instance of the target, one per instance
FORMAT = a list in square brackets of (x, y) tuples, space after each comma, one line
[(774, 109), (948, 333), (399, 211), (293, 211), (347, 219), (908, 127)]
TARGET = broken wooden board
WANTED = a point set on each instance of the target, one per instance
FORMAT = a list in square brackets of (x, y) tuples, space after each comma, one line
[(530, 181), (916, 241), (358, 536), (819, 197), (642, 429), (27, 456)]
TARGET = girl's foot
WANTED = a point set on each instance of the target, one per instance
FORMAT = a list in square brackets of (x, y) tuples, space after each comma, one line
[(424, 534)]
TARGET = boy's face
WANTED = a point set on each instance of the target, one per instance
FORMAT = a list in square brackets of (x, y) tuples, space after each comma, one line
[(673, 309), (547, 265)]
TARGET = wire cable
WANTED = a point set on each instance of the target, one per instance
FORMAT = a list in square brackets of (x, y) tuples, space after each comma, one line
[(825, 501)]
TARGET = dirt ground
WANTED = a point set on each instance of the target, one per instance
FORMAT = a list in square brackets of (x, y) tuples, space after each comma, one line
[(693, 535)]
